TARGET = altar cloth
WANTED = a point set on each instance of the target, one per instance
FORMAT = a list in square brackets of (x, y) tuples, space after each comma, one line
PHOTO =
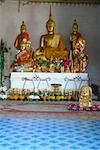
[(42, 81)]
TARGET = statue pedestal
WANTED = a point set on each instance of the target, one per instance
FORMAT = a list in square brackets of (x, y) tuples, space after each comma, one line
[(43, 81)]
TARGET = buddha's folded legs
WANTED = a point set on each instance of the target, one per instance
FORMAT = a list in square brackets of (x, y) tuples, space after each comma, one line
[(55, 53)]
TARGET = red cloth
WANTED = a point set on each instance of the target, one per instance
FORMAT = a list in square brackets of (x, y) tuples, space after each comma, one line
[(19, 38)]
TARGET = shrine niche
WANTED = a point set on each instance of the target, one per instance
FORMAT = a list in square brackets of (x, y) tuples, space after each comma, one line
[(52, 68)]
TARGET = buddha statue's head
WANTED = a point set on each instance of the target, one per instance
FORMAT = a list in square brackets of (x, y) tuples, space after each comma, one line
[(23, 27), (75, 27), (86, 90), (50, 24)]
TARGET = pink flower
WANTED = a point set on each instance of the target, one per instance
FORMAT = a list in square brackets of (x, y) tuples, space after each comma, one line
[(80, 108), (66, 62)]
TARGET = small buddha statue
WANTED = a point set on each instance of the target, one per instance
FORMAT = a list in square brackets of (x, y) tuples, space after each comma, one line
[(22, 36), (52, 45), (75, 35), (23, 58), (23, 55), (78, 44), (83, 62), (85, 96)]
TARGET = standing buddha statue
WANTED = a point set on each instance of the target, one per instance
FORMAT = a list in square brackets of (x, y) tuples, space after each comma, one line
[(23, 36), (78, 43), (22, 43)]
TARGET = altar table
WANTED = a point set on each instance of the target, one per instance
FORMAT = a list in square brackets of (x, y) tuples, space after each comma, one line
[(43, 81)]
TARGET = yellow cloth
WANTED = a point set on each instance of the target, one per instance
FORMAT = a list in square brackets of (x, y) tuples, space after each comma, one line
[(54, 46)]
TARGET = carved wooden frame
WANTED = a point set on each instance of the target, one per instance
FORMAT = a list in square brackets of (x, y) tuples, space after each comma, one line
[(95, 2)]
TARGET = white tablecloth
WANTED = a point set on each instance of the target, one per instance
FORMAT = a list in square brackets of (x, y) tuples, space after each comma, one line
[(30, 80)]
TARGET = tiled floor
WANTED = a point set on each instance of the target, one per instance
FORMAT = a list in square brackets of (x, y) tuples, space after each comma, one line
[(40, 130), (49, 134)]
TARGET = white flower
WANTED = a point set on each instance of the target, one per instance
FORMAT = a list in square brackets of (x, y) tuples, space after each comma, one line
[(34, 97), (4, 96), (4, 88)]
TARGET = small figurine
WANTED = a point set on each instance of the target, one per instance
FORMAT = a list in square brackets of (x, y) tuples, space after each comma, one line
[(83, 63), (85, 97)]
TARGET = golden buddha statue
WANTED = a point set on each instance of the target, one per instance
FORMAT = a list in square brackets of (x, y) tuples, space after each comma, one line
[(52, 45), (22, 36), (23, 58), (75, 35), (77, 46), (85, 97)]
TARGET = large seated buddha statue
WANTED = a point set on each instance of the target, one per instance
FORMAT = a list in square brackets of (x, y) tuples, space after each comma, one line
[(52, 45), (78, 43)]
